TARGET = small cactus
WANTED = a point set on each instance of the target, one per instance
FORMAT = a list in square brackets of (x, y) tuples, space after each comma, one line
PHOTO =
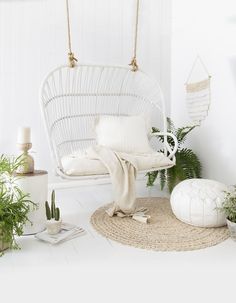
[(53, 212), (57, 214), (53, 206), (48, 211)]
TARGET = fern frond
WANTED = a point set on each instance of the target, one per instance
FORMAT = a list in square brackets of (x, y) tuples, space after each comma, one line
[(187, 166), (190, 164), (162, 178), (182, 132), (155, 130), (151, 177)]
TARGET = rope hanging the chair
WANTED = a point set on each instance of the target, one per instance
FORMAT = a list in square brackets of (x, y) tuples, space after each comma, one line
[(133, 62), (71, 57), (73, 60)]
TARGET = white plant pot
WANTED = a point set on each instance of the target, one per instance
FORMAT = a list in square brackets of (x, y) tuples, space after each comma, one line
[(53, 226), (232, 229)]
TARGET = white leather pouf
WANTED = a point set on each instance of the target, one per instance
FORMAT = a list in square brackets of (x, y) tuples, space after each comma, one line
[(194, 202)]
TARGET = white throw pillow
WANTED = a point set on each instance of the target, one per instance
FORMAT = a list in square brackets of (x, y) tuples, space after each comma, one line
[(123, 133)]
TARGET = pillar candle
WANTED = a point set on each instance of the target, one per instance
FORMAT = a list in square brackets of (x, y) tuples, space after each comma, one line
[(23, 135)]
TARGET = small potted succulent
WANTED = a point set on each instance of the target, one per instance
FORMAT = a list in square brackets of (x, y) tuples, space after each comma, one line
[(14, 203), (53, 216), (229, 208)]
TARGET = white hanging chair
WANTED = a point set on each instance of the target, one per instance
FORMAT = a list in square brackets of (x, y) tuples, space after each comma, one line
[(72, 98)]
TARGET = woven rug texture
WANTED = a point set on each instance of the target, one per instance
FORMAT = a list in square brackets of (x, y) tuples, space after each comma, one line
[(164, 232)]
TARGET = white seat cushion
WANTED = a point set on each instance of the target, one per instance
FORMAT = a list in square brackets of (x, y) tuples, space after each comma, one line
[(81, 165)]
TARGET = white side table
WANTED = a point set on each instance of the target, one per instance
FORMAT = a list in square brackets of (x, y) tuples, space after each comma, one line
[(36, 185)]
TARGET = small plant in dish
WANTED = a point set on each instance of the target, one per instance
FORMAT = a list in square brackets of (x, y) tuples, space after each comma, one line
[(229, 209)]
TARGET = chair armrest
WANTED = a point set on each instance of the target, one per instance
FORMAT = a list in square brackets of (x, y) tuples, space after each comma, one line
[(168, 147)]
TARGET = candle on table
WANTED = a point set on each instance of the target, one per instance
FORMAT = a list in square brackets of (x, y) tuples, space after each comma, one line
[(24, 144), (23, 135)]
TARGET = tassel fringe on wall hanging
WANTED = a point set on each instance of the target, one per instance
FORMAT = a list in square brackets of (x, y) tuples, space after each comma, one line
[(198, 95)]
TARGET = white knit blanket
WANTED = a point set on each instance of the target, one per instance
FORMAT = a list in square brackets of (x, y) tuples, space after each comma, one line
[(122, 168)]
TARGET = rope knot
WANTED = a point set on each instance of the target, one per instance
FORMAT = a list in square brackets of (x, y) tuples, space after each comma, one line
[(134, 64), (72, 60)]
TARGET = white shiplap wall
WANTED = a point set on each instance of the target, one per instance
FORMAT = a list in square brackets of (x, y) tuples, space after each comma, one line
[(200, 28), (33, 41)]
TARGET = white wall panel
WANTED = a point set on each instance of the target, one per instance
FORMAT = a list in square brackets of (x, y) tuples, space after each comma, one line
[(208, 28)]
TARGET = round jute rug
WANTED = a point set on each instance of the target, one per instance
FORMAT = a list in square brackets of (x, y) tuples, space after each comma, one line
[(163, 233)]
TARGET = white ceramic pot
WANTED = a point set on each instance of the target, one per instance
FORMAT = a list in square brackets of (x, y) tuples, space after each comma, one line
[(36, 185), (232, 229), (53, 226)]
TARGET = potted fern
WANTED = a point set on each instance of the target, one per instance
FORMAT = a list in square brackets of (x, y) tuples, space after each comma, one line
[(187, 166), (14, 204), (53, 216), (229, 209)]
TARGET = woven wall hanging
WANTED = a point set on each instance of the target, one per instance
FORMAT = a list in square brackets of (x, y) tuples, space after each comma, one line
[(198, 94)]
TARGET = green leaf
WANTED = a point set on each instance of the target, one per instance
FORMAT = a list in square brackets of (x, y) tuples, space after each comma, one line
[(229, 205), (14, 203), (151, 177), (187, 165)]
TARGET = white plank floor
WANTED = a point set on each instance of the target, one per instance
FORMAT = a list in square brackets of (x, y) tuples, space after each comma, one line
[(92, 268)]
